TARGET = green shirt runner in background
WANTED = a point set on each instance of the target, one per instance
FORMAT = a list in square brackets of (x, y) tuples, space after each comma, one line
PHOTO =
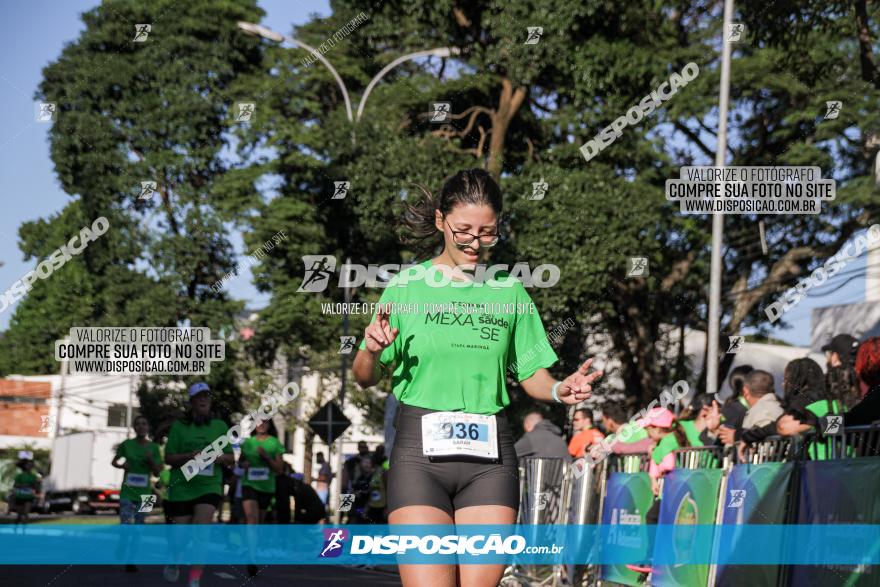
[(257, 465), (458, 360), (26, 486), (135, 455), (186, 438)]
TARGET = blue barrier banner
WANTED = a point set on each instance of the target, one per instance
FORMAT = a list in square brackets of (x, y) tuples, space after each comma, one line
[(689, 499), (628, 497), (417, 544), (837, 493), (755, 494)]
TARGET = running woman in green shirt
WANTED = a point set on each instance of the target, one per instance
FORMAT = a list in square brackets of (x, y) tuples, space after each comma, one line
[(261, 461), (140, 459), (196, 500), (448, 354), (25, 487)]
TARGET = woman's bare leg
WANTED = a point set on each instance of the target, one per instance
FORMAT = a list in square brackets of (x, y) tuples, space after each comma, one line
[(423, 575), (483, 575)]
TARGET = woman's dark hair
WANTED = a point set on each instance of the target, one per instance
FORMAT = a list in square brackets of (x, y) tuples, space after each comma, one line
[(804, 383), (737, 379), (680, 435), (614, 412), (471, 186), (700, 401), (271, 430)]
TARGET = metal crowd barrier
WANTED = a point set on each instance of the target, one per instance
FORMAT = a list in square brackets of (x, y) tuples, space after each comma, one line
[(555, 491)]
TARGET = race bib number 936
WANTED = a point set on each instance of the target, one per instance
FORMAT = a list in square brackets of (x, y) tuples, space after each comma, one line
[(459, 434)]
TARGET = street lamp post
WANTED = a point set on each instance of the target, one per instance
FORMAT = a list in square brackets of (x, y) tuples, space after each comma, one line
[(266, 33)]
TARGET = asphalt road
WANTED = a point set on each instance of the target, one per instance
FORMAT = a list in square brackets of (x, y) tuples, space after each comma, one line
[(214, 576)]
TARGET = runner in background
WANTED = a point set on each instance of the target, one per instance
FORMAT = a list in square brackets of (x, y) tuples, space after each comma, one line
[(584, 434), (375, 513), (325, 476), (141, 459), (261, 461), (195, 501), (840, 375), (25, 487)]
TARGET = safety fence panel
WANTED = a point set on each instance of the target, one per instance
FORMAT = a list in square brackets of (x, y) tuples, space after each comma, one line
[(690, 497), (754, 494), (628, 497), (844, 491)]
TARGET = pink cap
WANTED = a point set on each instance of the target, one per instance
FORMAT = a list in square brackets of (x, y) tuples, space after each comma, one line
[(660, 417)]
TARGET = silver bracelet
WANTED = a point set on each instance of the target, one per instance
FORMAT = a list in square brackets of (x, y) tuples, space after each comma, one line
[(554, 390)]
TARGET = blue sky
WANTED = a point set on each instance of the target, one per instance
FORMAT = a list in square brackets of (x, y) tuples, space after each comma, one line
[(33, 33)]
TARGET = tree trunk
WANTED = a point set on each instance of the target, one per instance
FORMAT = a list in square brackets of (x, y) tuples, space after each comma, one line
[(508, 104), (307, 457)]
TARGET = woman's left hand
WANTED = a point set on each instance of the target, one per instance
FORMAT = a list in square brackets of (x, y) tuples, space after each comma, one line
[(577, 387)]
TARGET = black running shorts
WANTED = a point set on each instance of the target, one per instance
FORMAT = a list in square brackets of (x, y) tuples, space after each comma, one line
[(448, 483), (262, 498), (187, 508)]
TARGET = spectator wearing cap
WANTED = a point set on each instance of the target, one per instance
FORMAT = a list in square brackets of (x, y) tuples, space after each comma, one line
[(542, 440), (584, 433), (669, 435), (840, 375)]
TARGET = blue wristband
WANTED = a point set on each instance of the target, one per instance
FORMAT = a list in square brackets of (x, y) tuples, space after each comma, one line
[(554, 390)]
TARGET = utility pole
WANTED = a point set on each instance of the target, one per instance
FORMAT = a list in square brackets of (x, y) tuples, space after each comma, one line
[(342, 377), (714, 329), (60, 397)]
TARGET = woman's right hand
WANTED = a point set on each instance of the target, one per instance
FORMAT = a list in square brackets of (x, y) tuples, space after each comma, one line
[(379, 335)]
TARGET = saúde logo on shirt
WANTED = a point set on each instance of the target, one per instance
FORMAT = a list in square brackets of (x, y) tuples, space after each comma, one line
[(486, 326)]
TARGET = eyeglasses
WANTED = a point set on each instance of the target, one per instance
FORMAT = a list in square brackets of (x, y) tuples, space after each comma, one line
[(464, 239)]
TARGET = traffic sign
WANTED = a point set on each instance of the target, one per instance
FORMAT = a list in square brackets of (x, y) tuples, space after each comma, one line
[(329, 422)]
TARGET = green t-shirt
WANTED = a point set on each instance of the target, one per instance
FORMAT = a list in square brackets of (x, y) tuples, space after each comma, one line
[(263, 476), (819, 450), (457, 342), (137, 478), (669, 442), (185, 438), (629, 433), (25, 486)]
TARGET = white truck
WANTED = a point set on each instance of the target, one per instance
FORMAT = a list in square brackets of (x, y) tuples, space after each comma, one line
[(81, 478)]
